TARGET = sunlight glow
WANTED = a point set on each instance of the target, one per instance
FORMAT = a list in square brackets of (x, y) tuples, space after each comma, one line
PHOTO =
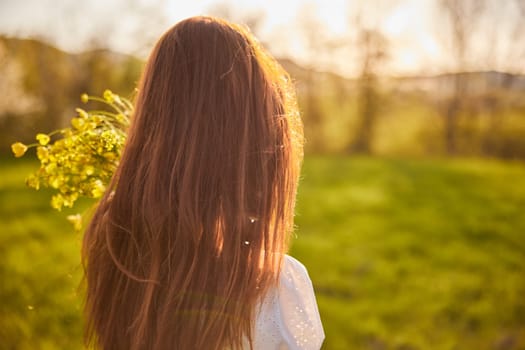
[(416, 37)]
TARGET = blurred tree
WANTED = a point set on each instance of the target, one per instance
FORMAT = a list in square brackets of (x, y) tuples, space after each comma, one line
[(316, 44), (14, 100), (372, 47), (462, 18), (45, 74), (16, 104), (487, 45), (42, 85), (112, 70), (372, 51), (506, 53), (54, 79)]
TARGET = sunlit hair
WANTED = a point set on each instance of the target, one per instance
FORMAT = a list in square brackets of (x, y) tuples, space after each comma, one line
[(192, 230)]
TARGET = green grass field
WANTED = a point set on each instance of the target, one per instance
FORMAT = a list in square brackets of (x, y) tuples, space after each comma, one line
[(403, 254)]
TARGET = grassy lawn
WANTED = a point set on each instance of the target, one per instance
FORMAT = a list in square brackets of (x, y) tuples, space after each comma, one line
[(39, 267), (403, 255)]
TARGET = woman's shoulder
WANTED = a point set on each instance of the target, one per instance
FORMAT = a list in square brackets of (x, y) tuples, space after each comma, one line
[(291, 263), (298, 301), (294, 277), (289, 316)]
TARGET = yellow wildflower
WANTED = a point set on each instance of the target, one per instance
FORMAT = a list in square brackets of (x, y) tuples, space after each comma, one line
[(19, 149), (97, 189), (50, 168), (43, 139), (57, 201), (66, 132), (42, 153), (69, 200), (110, 155), (77, 123), (33, 181), (82, 113), (76, 220), (108, 96), (56, 181), (88, 170), (82, 161), (91, 125)]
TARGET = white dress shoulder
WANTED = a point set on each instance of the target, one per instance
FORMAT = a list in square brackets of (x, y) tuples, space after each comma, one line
[(289, 317)]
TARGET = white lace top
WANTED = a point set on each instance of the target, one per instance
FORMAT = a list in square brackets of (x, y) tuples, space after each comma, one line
[(289, 317)]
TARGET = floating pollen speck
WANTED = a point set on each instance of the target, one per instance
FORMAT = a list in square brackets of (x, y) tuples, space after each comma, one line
[(30, 307)]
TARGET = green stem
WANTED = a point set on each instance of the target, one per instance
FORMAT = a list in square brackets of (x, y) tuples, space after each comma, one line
[(54, 132), (99, 112)]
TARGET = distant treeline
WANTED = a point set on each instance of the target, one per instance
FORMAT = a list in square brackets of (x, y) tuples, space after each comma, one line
[(41, 85), (473, 114)]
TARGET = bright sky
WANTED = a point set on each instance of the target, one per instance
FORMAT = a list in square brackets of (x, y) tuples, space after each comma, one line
[(416, 36)]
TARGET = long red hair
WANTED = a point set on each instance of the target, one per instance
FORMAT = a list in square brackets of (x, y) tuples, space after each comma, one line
[(192, 229)]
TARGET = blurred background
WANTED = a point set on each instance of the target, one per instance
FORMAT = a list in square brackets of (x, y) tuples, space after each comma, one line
[(411, 208)]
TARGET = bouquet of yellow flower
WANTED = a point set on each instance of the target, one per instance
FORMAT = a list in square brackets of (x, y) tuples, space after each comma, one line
[(80, 160)]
